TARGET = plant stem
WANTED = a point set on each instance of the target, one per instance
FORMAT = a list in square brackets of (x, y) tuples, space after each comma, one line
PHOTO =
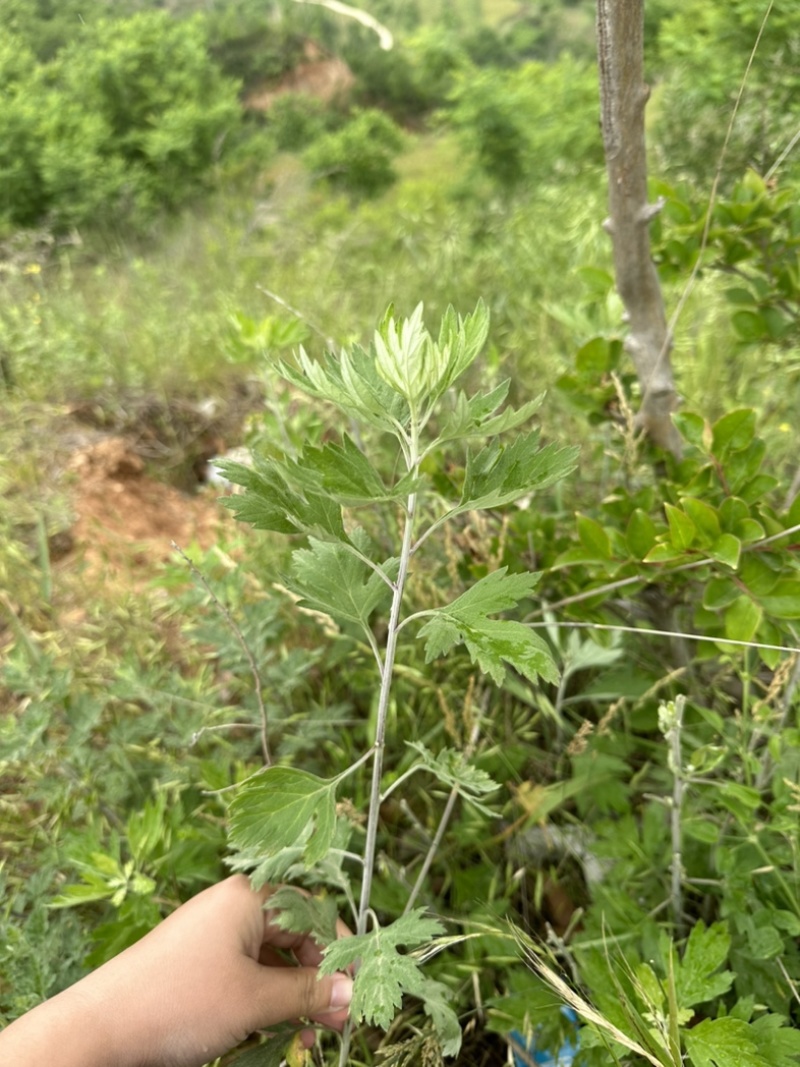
[(678, 784), (251, 660), (443, 822), (380, 736), (383, 712)]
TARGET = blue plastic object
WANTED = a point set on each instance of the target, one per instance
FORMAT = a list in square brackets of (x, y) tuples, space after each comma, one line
[(563, 1058)]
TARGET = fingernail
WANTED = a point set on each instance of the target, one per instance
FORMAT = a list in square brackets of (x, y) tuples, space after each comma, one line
[(342, 992)]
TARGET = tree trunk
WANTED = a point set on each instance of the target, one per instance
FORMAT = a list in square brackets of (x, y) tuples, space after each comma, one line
[(623, 96)]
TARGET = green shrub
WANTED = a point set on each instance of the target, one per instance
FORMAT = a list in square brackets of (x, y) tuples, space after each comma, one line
[(358, 157), (532, 124), (124, 121)]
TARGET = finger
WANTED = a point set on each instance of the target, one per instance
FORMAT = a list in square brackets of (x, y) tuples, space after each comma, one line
[(280, 994)]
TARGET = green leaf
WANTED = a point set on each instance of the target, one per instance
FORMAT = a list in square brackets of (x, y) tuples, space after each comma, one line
[(435, 996), (764, 942), (640, 535), (497, 591), (594, 358), (330, 578), (283, 807), (733, 432), (661, 553), (276, 498), (783, 601), (271, 1053), (692, 427), (706, 951), (500, 474), (703, 516), (726, 549), (701, 830), (723, 1043), (778, 1044), (749, 530), (303, 914), (450, 768), (682, 530), (476, 416), (72, 895), (593, 537), (719, 593), (352, 383), (509, 418), (741, 800), (491, 642), (742, 619), (756, 573), (383, 974), (460, 340), (346, 473), (732, 511), (749, 325)]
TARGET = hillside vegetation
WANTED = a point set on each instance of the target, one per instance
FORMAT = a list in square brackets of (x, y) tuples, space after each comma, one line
[(197, 203)]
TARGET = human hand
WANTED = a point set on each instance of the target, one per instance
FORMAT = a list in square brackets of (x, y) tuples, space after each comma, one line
[(190, 990)]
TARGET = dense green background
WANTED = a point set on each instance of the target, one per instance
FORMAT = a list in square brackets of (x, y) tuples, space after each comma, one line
[(143, 211)]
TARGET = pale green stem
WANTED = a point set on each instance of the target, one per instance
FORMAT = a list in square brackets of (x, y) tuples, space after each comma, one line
[(379, 745), (678, 784), (354, 766), (443, 823), (427, 614), (383, 713), (399, 781), (369, 563)]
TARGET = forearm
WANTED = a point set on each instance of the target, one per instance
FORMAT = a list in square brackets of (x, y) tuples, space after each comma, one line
[(69, 1030)]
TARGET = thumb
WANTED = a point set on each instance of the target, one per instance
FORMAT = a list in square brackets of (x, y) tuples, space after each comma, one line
[(299, 992)]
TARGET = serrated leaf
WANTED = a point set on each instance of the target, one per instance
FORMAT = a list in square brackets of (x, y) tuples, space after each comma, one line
[(384, 974), (435, 997), (500, 474), (304, 914), (723, 1043), (450, 768), (272, 502), (282, 807), (474, 416), (495, 592), (778, 1044), (72, 895), (330, 578), (491, 644), (351, 382), (510, 418), (695, 978), (346, 473)]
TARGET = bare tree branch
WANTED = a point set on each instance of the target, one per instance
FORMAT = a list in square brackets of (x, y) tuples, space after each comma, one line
[(623, 96), (385, 38)]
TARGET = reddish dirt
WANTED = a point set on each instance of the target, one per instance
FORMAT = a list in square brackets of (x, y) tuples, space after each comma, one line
[(125, 521), (325, 77)]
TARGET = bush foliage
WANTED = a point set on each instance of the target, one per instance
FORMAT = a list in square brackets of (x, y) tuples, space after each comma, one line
[(638, 858)]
